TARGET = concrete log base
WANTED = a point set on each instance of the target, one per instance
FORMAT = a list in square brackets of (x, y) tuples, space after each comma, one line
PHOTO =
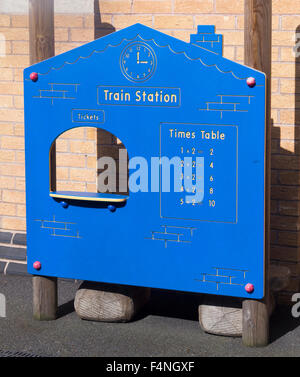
[(109, 302)]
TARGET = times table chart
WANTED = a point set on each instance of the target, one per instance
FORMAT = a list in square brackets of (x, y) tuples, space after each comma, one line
[(209, 172)]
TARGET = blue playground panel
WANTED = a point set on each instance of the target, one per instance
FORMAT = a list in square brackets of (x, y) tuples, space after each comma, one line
[(163, 98)]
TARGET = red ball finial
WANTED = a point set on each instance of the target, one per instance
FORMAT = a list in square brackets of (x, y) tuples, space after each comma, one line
[(249, 288), (34, 76), (37, 265), (251, 82)]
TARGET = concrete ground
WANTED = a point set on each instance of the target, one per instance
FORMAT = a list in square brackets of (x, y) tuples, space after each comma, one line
[(167, 327)]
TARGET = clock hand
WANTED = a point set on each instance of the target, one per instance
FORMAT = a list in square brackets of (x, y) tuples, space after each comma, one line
[(142, 62), (138, 57)]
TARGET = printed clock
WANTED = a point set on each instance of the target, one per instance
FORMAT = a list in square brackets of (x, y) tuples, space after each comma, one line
[(138, 62)]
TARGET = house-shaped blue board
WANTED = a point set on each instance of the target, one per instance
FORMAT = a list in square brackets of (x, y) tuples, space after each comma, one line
[(163, 98)]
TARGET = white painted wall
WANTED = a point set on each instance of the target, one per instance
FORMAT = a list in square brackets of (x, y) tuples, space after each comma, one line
[(60, 6)]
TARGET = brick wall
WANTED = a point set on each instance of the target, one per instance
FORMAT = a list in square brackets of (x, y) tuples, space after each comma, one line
[(178, 18)]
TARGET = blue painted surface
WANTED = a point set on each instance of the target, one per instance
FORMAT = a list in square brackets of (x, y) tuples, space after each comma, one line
[(208, 39), (215, 245)]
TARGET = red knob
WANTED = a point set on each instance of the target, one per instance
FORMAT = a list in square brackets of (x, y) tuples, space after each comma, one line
[(251, 82), (37, 265), (34, 76), (249, 288)]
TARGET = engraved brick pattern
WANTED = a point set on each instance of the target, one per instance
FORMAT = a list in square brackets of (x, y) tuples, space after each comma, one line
[(207, 39), (223, 276), (228, 103), (170, 233), (58, 228), (59, 91)]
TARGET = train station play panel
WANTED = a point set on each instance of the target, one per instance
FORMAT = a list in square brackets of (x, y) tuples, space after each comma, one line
[(164, 99)]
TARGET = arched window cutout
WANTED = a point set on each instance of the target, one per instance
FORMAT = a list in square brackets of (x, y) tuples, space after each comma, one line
[(88, 163)]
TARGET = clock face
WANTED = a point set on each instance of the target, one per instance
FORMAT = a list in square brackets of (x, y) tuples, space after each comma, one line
[(138, 62)]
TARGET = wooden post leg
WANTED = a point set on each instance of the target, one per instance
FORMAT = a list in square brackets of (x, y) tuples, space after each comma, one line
[(44, 298), (255, 323)]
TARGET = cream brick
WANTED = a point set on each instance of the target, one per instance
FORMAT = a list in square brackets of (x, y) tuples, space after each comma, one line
[(11, 115), (91, 133), (6, 74), (287, 116), (89, 20), (61, 47), (71, 186), (13, 223), (8, 209), (20, 156), (283, 38), (12, 170), (62, 145), (284, 132), (275, 85), (15, 34), (21, 210), (6, 101), (84, 175), (11, 88), (233, 37), (291, 22), (288, 54), (287, 86), (6, 47), (183, 35), (288, 7), (14, 61), (229, 6), (13, 196), (275, 115), (275, 54), (70, 160), (12, 142), (220, 21), (61, 34), (91, 162), (7, 182), (20, 47), (283, 69), (82, 35), (282, 101), (173, 22), (122, 21), (7, 156), (68, 20), (194, 6), (116, 6), (20, 183), (74, 133), (18, 102), (19, 20), (229, 52), (18, 74), (82, 147), (103, 21), (4, 20), (288, 146), (91, 187), (62, 173), (6, 129), (152, 7), (19, 129)]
